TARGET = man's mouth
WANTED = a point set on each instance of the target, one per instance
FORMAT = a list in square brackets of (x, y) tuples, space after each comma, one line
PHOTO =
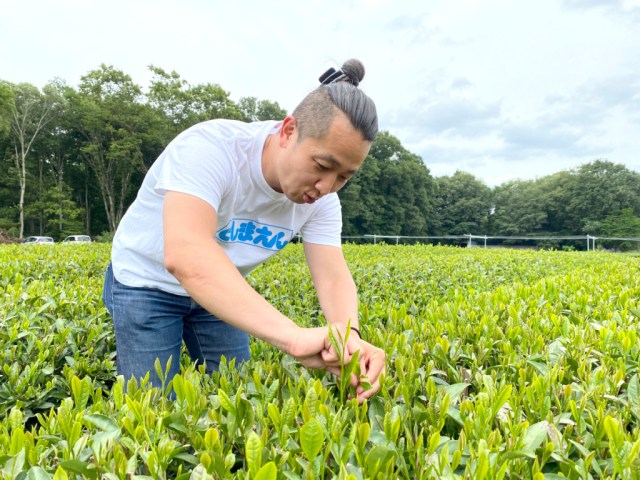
[(308, 198)]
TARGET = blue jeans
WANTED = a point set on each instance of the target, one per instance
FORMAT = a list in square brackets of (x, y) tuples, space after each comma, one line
[(151, 324)]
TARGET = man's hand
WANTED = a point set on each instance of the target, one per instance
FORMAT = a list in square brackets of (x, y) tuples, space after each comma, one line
[(313, 348), (372, 365)]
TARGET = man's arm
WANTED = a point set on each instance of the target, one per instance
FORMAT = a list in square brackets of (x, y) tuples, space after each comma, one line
[(334, 284), (338, 299), (205, 271)]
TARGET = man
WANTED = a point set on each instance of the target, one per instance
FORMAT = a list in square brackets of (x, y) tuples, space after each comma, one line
[(221, 199)]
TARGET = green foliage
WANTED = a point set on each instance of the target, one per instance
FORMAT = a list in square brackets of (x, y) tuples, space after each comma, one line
[(623, 224), (60, 214), (113, 126), (501, 364), (259, 110), (517, 209), (6, 100), (392, 194), (589, 200), (463, 204), (615, 187), (95, 143), (182, 105)]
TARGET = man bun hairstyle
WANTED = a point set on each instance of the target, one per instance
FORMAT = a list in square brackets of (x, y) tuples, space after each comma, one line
[(338, 91)]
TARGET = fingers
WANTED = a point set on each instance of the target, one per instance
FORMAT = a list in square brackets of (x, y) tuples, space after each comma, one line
[(337, 351), (372, 365), (327, 349), (362, 394), (314, 361), (330, 356), (313, 348)]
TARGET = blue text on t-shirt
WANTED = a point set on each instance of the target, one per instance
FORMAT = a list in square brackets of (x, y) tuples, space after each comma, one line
[(250, 232)]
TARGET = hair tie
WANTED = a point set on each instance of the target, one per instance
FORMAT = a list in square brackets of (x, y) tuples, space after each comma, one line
[(357, 331), (332, 75)]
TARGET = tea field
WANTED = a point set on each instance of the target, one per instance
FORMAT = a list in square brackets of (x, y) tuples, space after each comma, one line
[(502, 364)]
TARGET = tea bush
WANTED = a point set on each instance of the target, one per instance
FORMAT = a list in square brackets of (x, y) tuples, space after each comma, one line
[(501, 364)]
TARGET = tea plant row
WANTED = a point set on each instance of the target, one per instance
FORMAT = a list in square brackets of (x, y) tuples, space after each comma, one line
[(501, 364)]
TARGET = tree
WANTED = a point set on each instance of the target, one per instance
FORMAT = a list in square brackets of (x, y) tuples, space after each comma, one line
[(59, 164), (601, 188), (622, 224), (390, 195), (59, 213), (169, 95), (462, 204), (6, 102), (359, 199), (112, 122), (253, 110), (554, 193), (184, 105), (31, 111), (518, 209), (208, 101), (7, 175)]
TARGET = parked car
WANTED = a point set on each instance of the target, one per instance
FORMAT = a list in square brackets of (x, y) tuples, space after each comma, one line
[(77, 238), (33, 240)]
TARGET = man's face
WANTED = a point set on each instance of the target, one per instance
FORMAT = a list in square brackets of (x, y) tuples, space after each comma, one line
[(312, 168)]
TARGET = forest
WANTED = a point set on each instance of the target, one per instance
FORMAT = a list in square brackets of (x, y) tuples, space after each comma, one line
[(72, 159)]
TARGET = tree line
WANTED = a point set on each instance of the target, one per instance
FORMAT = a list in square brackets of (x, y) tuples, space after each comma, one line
[(72, 159)]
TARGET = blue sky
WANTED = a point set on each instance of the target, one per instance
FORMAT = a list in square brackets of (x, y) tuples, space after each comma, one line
[(500, 89)]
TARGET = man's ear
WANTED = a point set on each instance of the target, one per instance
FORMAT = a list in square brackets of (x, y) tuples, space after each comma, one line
[(288, 130)]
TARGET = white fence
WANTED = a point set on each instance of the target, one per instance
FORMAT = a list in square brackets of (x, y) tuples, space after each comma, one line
[(475, 240)]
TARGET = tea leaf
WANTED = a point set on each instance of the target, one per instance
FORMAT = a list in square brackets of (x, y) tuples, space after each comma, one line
[(76, 466), (176, 422), (272, 390), (311, 438), (103, 422), (454, 391), (15, 418), (253, 451), (633, 391), (14, 465), (81, 390), (200, 473), (60, 474), (226, 402), (38, 473), (378, 459), (269, 471), (534, 436)]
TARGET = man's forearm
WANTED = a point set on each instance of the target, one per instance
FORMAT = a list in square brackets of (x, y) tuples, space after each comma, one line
[(227, 295), (339, 303)]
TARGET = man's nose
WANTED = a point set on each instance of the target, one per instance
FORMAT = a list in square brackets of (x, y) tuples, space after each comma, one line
[(326, 183)]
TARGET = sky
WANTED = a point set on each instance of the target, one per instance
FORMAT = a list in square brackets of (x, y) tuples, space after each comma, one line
[(503, 90)]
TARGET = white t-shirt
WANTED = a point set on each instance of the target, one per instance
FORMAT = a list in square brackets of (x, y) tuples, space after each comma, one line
[(219, 161)]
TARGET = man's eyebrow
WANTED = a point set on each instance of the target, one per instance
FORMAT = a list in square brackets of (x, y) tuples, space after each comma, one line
[(330, 158)]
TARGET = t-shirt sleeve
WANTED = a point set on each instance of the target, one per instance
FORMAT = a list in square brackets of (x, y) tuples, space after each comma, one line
[(324, 227), (196, 165)]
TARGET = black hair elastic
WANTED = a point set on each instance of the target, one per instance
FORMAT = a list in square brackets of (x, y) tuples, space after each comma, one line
[(332, 75), (357, 331)]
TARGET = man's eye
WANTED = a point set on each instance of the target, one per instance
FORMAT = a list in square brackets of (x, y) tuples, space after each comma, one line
[(321, 167)]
